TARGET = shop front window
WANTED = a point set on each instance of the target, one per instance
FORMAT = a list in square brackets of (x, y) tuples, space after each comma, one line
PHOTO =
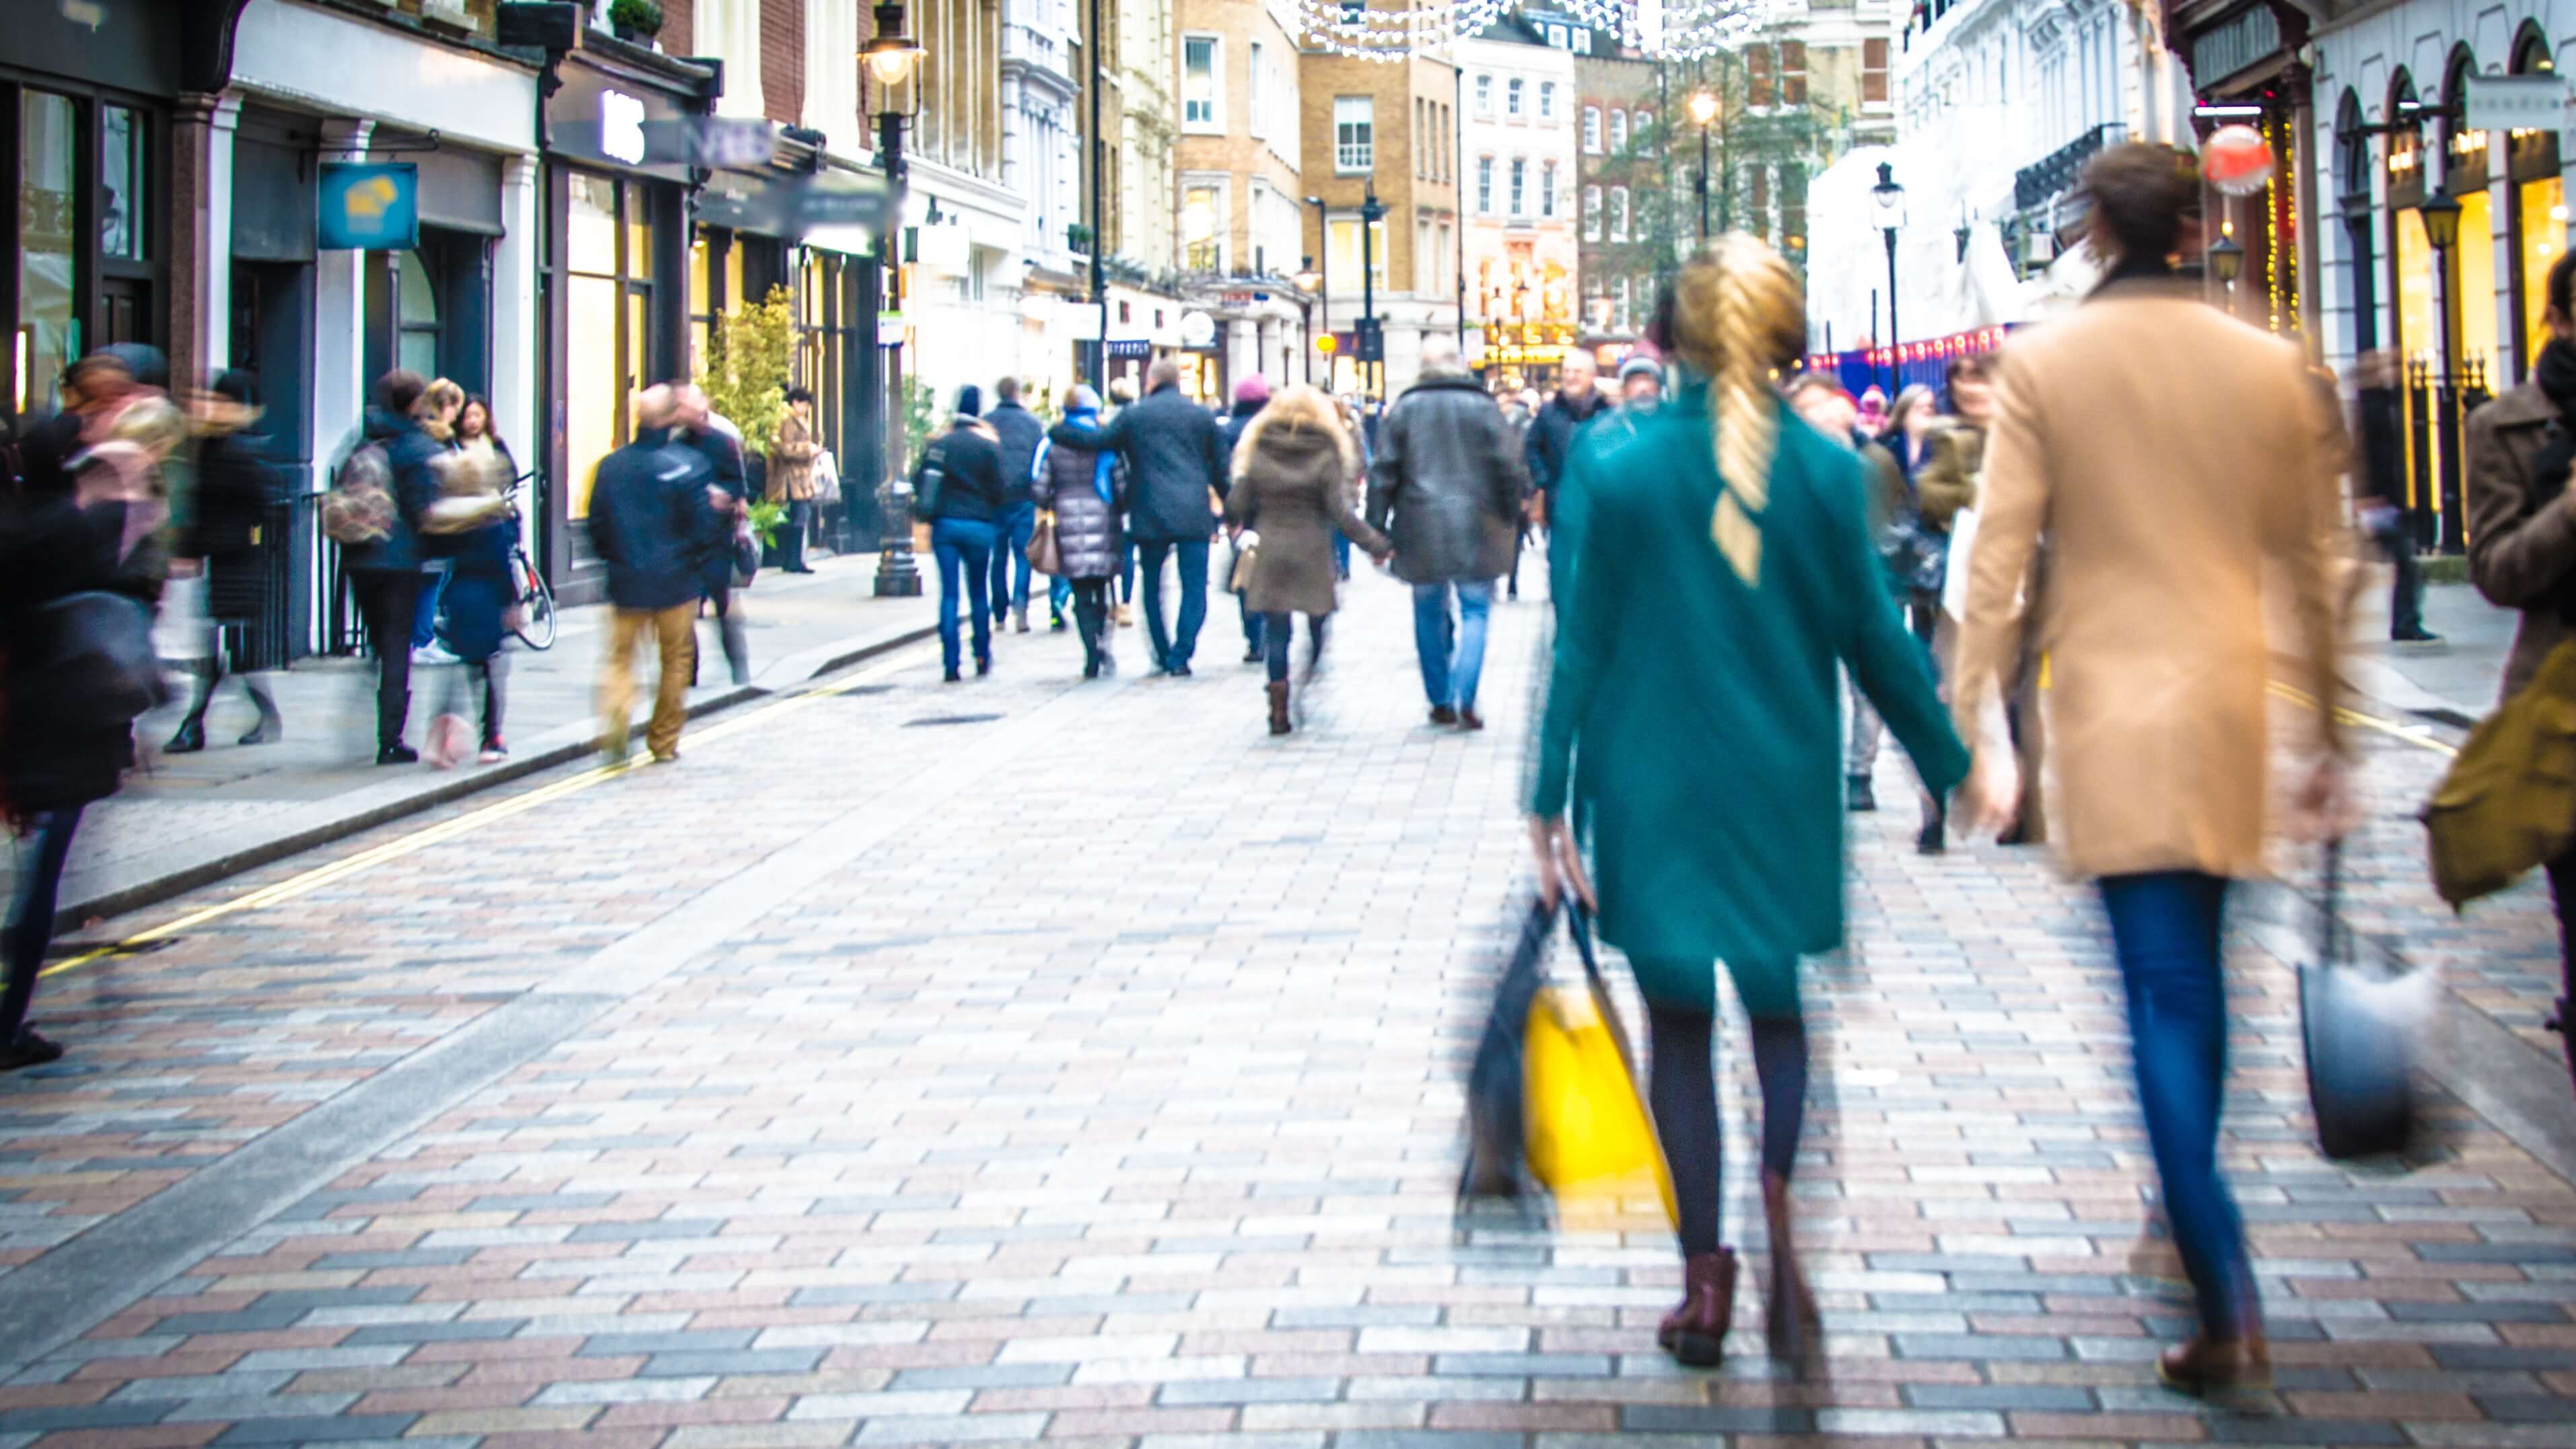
[(2544, 231), (121, 176), (2416, 339), (2473, 291), (46, 336), (416, 350), (608, 296)]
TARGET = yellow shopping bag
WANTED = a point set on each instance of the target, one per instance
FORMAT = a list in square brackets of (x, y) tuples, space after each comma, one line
[(1587, 1134)]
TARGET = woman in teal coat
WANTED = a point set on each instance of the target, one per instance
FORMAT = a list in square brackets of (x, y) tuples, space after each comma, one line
[(1723, 574)]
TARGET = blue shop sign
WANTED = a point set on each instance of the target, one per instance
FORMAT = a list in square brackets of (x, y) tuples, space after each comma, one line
[(370, 206)]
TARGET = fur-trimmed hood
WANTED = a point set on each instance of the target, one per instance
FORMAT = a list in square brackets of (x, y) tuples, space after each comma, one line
[(1297, 421)]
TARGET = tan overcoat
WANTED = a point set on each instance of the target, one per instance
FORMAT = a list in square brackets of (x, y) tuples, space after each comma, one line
[(2176, 460)]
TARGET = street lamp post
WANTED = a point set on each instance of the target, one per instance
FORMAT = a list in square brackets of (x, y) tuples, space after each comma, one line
[(1703, 109), (2442, 230), (1099, 266), (889, 57), (1323, 278), (1371, 210), (1889, 199), (1310, 282)]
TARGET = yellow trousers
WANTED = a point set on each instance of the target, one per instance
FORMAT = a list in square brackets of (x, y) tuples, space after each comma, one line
[(675, 631)]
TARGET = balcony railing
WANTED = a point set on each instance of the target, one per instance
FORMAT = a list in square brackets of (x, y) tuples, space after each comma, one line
[(2034, 184)]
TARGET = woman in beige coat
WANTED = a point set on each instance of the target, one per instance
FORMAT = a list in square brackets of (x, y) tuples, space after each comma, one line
[(1292, 472), (2171, 454), (791, 478)]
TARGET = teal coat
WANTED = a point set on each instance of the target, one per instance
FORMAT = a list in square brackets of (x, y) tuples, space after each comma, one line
[(1696, 720)]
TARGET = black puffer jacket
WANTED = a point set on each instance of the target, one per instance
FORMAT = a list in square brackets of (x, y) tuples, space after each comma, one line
[(1449, 475), (1087, 527), (50, 550), (1017, 432), (652, 523), (1174, 457), (1550, 442)]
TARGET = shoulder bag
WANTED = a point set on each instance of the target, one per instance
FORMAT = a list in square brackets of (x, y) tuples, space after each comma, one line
[(1045, 553)]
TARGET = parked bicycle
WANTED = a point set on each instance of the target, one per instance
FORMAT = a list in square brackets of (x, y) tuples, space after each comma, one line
[(536, 626)]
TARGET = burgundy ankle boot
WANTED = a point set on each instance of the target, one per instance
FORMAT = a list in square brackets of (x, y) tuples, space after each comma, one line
[(1789, 1312), (1695, 1332)]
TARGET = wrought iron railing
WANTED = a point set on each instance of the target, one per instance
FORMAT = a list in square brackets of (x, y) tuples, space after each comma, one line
[(2034, 184), (2437, 408)]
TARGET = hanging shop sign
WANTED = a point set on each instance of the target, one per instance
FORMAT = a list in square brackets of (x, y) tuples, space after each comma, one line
[(2517, 102), (715, 142), (1198, 329), (1139, 348), (370, 206)]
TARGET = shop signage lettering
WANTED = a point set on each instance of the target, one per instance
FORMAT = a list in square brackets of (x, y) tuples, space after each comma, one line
[(719, 143), (371, 206), (621, 127), (2517, 103), (1138, 348)]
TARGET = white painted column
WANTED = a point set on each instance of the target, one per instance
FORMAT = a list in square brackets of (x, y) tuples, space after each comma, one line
[(339, 319), (1242, 350), (515, 324), (214, 296)]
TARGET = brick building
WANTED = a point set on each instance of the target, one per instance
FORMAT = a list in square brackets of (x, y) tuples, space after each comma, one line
[(1241, 238), (1391, 126)]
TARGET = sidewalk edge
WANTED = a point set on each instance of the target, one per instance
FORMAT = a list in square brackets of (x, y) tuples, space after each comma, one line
[(70, 916)]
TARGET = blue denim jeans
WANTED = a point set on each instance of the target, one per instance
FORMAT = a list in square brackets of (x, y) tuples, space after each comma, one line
[(963, 545), (1011, 557), (424, 616), (2166, 928), (31, 914), (1452, 646), (1174, 649)]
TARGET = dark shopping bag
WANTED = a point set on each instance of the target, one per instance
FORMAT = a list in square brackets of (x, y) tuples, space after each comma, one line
[(1495, 1166), (2362, 1016)]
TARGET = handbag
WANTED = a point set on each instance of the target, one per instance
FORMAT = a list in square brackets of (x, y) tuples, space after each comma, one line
[(1247, 560), (933, 477), (746, 553), (2508, 802), (827, 479), (2362, 1022), (1045, 554)]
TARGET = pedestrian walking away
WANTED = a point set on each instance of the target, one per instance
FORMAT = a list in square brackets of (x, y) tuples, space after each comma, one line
[(792, 483), (230, 535), (1725, 573), (2522, 539), (1823, 404), (2379, 487), (2175, 456), (1087, 493), (441, 404), (1175, 461), (697, 426), (1250, 396), (385, 571), (957, 486), (1291, 486), (1548, 443), (653, 521), (476, 524), (1018, 433), (1447, 488), (65, 738)]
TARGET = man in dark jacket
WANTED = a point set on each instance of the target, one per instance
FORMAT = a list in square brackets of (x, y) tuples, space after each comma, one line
[(385, 574), (2381, 480), (1550, 444), (1449, 477), (1174, 458), (1020, 432), (1250, 396), (696, 427), (652, 521)]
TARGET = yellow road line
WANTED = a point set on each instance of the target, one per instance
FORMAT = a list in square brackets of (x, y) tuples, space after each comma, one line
[(427, 836), (2420, 736)]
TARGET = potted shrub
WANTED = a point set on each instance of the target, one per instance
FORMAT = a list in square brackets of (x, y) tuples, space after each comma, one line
[(635, 21)]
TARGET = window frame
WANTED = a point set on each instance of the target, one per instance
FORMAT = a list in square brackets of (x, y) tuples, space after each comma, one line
[(1515, 107), (1365, 149), (1547, 189), (1592, 212), (1591, 130), (1520, 187), (1547, 100), (1618, 131), (1485, 185), (1618, 213), (1214, 122)]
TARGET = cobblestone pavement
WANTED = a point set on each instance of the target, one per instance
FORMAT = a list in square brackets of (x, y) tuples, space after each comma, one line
[(1037, 1061)]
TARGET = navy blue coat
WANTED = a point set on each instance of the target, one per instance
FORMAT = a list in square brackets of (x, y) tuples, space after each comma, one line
[(1174, 456), (652, 524), (410, 454)]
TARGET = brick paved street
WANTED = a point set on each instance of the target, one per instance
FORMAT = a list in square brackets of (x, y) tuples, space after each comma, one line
[(1038, 1061)]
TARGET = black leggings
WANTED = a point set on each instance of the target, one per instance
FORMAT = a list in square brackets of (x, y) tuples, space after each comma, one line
[(1274, 641), (1683, 1093), (2562, 894), (1091, 615)]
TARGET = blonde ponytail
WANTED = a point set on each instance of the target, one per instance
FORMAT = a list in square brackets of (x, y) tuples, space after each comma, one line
[(1738, 314)]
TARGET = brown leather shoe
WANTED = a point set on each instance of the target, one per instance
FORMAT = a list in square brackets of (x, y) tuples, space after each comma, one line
[(1279, 707), (1790, 1321), (1695, 1332), (1469, 720), (2209, 1367), (1442, 714)]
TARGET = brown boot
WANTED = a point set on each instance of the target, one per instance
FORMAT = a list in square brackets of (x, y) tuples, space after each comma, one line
[(1789, 1311), (1695, 1332), (2208, 1367), (1279, 707)]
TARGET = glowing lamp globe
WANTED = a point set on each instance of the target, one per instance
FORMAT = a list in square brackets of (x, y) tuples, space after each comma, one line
[(2236, 160)]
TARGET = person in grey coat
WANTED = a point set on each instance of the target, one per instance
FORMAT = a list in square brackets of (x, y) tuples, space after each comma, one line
[(1447, 486), (1291, 487), (1087, 493)]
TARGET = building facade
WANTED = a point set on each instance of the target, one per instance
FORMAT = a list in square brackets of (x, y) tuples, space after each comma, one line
[(1238, 158), (1523, 288), (1362, 142), (1042, 165), (1625, 206)]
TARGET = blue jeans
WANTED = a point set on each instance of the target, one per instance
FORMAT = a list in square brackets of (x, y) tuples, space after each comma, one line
[(1341, 553), (1173, 650), (31, 916), (967, 544), (424, 615), (2165, 928), (1011, 557), (1452, 646)]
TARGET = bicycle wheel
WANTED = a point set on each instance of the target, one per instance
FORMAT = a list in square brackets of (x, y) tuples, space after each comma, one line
[(537, 615)]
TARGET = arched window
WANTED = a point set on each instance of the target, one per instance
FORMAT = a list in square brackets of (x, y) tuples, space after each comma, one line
[(2536, 208)]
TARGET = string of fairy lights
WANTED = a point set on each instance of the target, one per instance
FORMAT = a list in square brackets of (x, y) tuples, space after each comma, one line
[(1686, 30)]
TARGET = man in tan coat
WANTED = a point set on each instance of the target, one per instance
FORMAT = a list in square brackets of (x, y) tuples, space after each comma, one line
[(2172, 456)]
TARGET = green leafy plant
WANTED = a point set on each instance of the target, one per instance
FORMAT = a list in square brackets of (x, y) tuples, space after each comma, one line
[(920, 418), (745, 369), (635, 17), (764, 518)]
